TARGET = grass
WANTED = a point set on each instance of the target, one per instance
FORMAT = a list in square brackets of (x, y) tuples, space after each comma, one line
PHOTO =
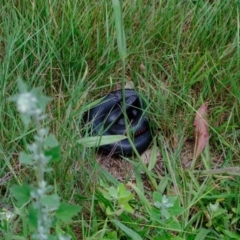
[(190, 53)]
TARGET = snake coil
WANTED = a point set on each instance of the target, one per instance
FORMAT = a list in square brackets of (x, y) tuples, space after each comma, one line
[(107, 118)]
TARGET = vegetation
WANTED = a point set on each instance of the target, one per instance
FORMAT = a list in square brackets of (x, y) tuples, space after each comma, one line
[(179, 54)]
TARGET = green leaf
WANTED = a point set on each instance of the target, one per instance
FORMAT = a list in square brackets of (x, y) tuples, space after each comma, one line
[(13, 98), (125, 199), (122, 191), (127, 230), (119, 212), (25, 158), (33, 217), (172, 199), (158, 204), (230, 234), (51, 201), (22, 86), (54, 153), (155, 214), (111, 236), (113, 192), (176, 210), (42, 100), (26, 119), (219, 212), (50, 141), (100, 140), (65, 212), (202, 234), (174, 225), (165, 213), (124, 195), (109, 212), (127, 208), (21, 194), (157, 197)]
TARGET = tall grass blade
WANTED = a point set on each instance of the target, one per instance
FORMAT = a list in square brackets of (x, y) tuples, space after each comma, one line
[(121, 40), (127, 230)]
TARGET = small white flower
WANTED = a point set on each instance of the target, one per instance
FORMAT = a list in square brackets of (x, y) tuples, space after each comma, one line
[(43, 132), (42, 184), (61, 237), (165, 202), (9, 215), (214, 207), (164, 199), (26, 102)]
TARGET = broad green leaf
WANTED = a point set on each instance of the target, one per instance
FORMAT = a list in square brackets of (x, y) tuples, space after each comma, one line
[(109, 211), (202, 234), (127, 230), (21, 194), (25, 158), (157, 197), (42, 100), (158, 204), (127, 208), (113, 192), (66, 212), (172, 199), (214, 207), (22, 86), (122, 191), (174, 225), (50, 141), (124, 195), (219, 212), (51, 201), (155, 214), (54, 153), (26, 119), (119, 211), (33, 217), (112, 236), (176, 210), (235, 220), (125, 199), (100, 140), (165, 213)]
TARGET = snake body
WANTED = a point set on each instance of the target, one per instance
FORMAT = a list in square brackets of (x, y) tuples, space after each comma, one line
[(107, 118)]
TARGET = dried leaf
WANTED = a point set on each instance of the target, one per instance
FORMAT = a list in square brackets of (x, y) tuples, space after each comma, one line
[(142, 67), (200, 130)]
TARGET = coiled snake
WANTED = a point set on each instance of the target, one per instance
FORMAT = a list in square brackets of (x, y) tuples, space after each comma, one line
[(107, 118)]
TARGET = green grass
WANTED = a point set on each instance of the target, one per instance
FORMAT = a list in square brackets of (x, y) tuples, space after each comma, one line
[(191, 53)]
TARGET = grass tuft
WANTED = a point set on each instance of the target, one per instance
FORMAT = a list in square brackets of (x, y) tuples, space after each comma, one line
[(179, 55)]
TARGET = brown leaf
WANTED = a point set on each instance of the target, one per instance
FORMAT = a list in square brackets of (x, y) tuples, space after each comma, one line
[(142, 67), (201, 134)]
